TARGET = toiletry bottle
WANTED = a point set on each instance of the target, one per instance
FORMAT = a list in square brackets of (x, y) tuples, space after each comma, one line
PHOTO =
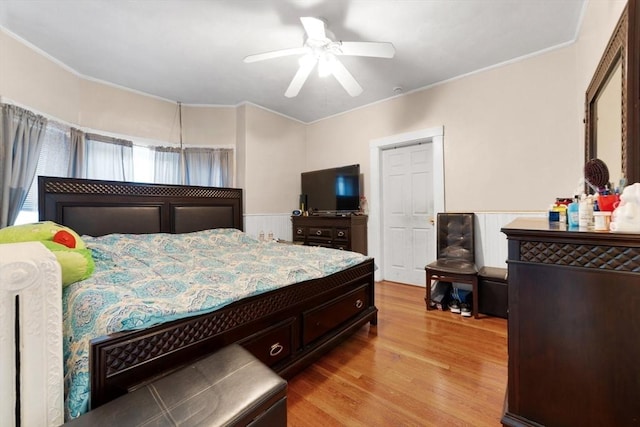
[(573, 213), (562, 211), (585, 212)]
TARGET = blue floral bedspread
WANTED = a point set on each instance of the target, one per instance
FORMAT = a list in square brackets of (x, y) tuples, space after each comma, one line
[(147, 279)]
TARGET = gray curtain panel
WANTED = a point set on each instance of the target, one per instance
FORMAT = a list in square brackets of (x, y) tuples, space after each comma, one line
[(208, 166), (78, 154), (21, 137)]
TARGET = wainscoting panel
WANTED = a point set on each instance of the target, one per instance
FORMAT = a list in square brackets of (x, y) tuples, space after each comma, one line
[(491, 244), (278, 224)]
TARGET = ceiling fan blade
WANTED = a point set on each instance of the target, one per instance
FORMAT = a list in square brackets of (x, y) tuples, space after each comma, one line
[(345, 78), (301, 76), (275, 54), (314, 28), (374, 49)]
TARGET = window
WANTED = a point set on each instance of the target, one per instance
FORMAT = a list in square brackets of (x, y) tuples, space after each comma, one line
[(166, 165), (114, 159), (208, 166), (109, 158), (53, 161)]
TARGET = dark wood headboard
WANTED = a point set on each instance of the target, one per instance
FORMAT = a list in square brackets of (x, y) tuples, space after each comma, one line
[(96, 208)]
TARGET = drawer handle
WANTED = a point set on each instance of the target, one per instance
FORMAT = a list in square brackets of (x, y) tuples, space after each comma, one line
[(340, 233), (299, 231), (359, 303), (276, 349), (319, 233)]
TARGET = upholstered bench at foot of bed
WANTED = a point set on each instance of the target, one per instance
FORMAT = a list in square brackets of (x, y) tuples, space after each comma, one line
[(229, 388)]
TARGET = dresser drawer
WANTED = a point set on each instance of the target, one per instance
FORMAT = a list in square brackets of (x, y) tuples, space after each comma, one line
[(318, 321), (325, 233), (323, 244), (341, 234), (273, 344)]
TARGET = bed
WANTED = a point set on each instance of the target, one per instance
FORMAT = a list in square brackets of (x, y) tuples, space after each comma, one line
[(287, 328)]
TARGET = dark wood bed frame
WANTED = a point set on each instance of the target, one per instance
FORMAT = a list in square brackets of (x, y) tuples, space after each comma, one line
[(287, 329)]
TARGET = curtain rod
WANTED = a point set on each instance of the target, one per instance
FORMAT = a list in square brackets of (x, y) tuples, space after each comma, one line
[(180, 119)]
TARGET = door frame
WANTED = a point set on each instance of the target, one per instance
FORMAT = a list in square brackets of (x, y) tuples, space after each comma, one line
[(433, 136)]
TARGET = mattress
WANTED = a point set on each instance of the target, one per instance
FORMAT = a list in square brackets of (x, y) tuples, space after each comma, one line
[(141, 280)]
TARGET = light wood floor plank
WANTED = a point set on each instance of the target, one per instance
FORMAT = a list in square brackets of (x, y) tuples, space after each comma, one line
[(415, 368)]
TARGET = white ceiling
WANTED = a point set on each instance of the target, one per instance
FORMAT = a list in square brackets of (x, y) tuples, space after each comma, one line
[(191, 51)]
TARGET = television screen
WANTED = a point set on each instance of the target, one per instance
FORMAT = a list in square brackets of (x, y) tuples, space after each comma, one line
[(335, 190)]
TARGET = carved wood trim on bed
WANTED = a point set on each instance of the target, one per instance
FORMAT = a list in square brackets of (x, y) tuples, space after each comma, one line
[(95, 207), (287, 328)]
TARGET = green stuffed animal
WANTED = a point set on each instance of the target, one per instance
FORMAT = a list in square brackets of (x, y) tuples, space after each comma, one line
[(71, 252)]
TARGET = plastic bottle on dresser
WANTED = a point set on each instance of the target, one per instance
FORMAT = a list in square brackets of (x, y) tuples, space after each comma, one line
[(585, 212), (573, 213), (591, 202)]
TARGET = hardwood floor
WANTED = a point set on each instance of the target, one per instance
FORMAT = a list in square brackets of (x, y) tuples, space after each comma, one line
[(415, 368)]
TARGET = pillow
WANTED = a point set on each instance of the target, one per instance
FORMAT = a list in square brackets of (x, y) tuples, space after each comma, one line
[(38, 231), (71, 252)]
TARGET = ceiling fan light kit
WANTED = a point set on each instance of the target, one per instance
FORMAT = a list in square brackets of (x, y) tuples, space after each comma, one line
[(320, 49)]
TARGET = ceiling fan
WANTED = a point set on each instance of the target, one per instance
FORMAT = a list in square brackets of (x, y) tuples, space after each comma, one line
[(321, 48)]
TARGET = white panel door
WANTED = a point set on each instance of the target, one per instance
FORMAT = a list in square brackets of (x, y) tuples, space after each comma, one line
[(407, 208)]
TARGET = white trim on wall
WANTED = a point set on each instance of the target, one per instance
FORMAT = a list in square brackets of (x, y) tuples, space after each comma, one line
[(277, 224), (434, 136), (490, 242)]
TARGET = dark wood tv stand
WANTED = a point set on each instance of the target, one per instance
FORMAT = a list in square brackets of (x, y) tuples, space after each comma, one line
[(347, 232)]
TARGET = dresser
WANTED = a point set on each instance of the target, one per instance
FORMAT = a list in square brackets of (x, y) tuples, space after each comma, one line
[(348, 232), (574, 326)]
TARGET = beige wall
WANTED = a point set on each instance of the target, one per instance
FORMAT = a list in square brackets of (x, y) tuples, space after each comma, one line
[(31, 79), (274, 149), (505, 133), (124, 112), (209, 125)]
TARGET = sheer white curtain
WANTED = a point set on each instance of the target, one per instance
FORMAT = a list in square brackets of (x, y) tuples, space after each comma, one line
[(208, 166), (109, 158), (166, 165)]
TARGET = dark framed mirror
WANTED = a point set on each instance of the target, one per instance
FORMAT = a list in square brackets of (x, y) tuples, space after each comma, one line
[(612, 99)]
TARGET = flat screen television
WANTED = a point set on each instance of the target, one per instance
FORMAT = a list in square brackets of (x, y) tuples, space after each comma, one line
[(332, 191)]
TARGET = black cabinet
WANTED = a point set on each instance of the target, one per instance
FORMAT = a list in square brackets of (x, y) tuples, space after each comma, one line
[(493, 291), (340, 232)]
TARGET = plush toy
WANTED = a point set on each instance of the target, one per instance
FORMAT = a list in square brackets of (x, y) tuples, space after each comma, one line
[(626, 217), (75, 259)]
